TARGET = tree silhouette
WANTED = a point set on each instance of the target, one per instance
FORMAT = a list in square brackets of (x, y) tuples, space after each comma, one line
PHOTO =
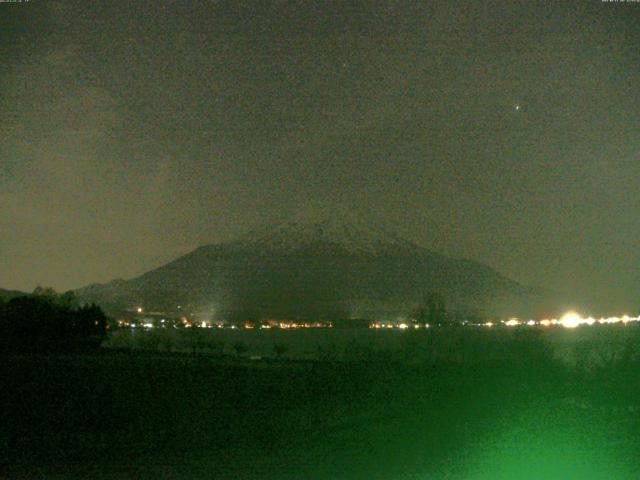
[(432, 311), (68, 299), (436, 310), (45, 321), (45, 293)]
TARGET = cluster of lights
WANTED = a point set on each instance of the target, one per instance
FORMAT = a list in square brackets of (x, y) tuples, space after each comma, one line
[(282, 325), (568, 320), (401, 326), (573, 320)]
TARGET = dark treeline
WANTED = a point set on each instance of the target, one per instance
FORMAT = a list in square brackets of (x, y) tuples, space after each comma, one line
[(48, 322)]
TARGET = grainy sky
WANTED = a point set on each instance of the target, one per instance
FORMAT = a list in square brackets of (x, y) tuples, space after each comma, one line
[(507, 132)]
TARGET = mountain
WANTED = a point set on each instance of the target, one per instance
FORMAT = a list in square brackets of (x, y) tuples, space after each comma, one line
[(318, 270), (7, 295)]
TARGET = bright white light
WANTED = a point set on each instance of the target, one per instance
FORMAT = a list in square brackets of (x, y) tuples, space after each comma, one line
[(403, 326), (139, 309), (531, 323), (570, 320), (514, 322)]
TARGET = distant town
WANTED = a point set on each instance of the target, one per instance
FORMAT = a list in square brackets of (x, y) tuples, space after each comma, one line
[(138, 317)]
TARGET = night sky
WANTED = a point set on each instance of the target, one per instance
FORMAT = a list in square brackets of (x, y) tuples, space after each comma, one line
[(505, 132)]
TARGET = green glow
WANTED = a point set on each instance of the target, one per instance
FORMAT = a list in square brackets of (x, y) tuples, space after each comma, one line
[(560, 444)]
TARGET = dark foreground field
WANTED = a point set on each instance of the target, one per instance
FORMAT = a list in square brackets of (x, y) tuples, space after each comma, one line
[(149, 415)]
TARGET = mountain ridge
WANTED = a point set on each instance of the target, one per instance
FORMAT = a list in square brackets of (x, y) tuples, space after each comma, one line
[(9, 294)]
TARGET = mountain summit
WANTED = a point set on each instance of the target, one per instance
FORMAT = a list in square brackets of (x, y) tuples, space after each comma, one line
[(347, 238), (317, 270)]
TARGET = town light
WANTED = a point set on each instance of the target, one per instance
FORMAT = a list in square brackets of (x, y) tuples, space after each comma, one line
[(570, 320)]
